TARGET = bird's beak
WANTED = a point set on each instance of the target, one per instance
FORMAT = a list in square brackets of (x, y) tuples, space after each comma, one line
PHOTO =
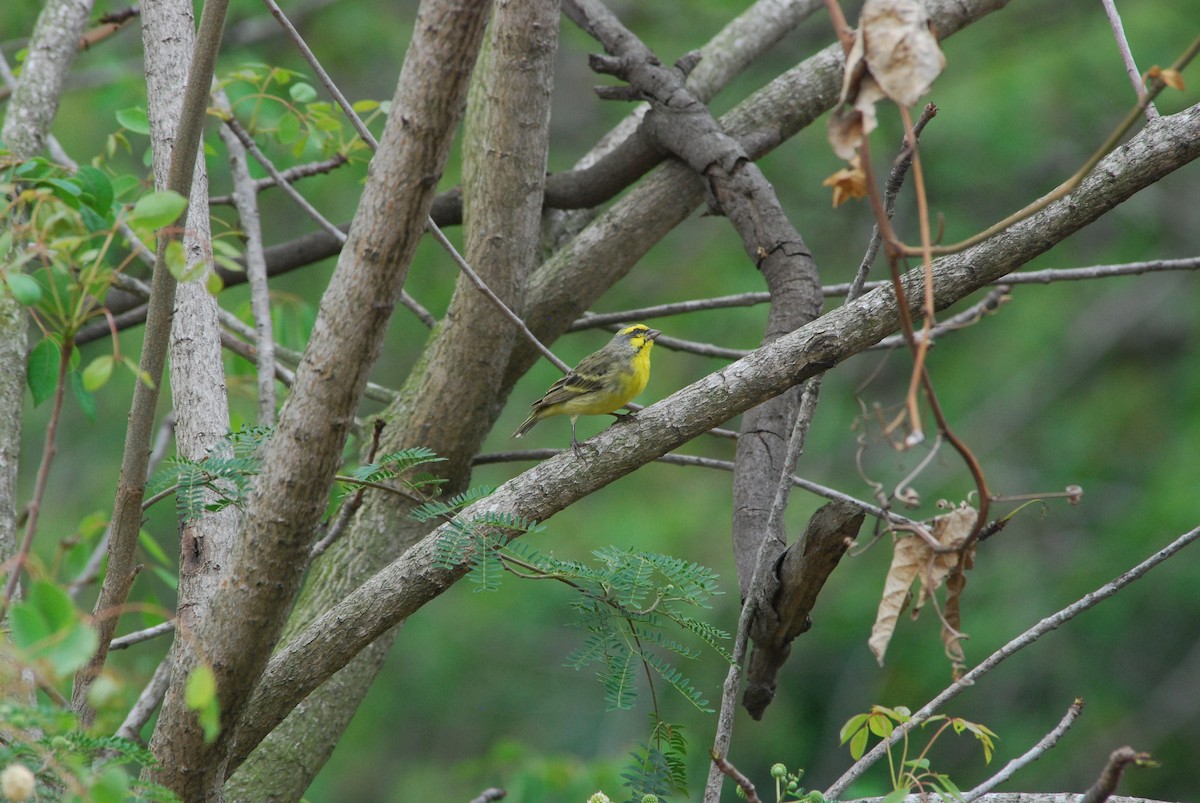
[(653, 333)]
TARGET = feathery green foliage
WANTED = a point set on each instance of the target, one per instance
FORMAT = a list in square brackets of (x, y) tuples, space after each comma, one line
[(71, 764)]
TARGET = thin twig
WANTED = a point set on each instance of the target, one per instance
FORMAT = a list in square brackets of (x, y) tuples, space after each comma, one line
[(148, 701), (736, 775), (1110, 776), (49, 449), (737, 666), (322, 76), (91, 570), (292, 174), (1033, 754), (1062, 190), (1015, 645), (1131, 69), (245, 199), (143, 635), (476, 280), (347, 511)]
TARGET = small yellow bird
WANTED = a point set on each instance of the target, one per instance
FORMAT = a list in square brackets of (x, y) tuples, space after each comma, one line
[(603, 381)]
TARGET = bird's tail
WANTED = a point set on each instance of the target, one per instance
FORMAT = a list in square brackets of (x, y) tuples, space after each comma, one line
[(528, 425)]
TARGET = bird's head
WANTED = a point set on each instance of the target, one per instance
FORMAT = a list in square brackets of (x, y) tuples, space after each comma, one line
[(638, 336)]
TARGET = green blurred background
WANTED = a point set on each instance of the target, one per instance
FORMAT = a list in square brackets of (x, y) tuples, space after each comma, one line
[(1094, 384)]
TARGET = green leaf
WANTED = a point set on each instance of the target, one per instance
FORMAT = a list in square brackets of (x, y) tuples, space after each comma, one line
[(157, 209), (301, 92), (49, 629), (24, 289), (367, 105), (85, 398), (289, 129), (134, 119), (880, 725), (97, 189), (852, 726), (200, 695), (858, 744), (896, 796), (42, 375), (98, 372)]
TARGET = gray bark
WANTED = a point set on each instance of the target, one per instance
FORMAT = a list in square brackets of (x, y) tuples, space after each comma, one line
[(450, 403), (410, 582)]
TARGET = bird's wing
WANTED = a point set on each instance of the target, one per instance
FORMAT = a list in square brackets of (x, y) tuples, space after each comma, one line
[(569, 387)]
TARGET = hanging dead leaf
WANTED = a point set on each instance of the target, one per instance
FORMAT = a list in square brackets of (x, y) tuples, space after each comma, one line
[(895, 55), (902, 53), (849, 183), (914, 559)]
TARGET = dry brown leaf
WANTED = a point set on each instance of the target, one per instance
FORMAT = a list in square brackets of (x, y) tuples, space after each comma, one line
[(1172, 78), (902, 53), (895, 54), (914, 559), (849, 183)]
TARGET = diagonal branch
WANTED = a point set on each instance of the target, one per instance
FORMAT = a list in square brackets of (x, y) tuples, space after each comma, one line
[(414, 579)]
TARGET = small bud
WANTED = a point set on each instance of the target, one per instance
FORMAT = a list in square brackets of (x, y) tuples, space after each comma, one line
[(17, 782), (1074, 494), (778, 771)]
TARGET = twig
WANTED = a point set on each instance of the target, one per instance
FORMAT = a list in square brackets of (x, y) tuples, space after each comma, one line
[(347, 511), (1015, 645), (291, 174), (143, 635), (1068, 186), (49, 449), (237, 129), (489, 795), (885, 515), (1033, 754), (746, 785), (476, 280), (1135, 75), (1110, 776), (971, 315), (245, 199), (148, 701), (91, 570), (774, 527), (322, 76)]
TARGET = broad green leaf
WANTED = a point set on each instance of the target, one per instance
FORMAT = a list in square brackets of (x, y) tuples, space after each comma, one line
[(42, 375), (157, 209), (289, 129), (301, 92), (24, 289), (134, 119), (98, 372), (880, 725), (367, 105), (852, 726), (48, 628), (858, 744), (97, 189)]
